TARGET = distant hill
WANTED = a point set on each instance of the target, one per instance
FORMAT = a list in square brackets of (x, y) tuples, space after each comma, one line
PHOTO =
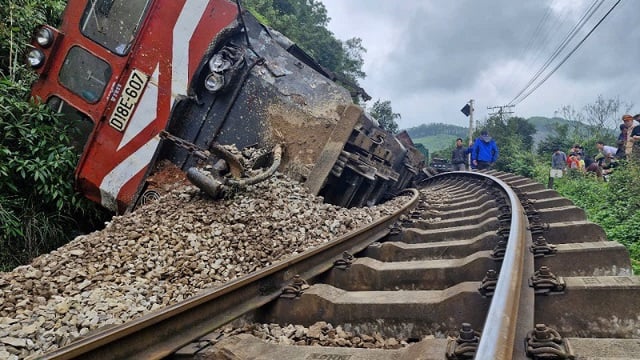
[(438, 136), (427, 130), (436, 142), (544, 126)]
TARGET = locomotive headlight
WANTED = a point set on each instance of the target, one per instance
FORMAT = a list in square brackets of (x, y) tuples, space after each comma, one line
[(35, 58), (44, 37), (214, 82), (218, 63)]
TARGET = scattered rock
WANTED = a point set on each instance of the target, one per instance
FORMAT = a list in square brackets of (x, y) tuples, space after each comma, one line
[(163, 253)]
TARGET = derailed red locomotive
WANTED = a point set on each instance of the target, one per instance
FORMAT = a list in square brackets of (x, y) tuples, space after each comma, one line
[(150, 80)]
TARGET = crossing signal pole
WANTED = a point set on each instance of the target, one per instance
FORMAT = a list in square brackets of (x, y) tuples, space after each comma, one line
[(468, 111), (471, 121)]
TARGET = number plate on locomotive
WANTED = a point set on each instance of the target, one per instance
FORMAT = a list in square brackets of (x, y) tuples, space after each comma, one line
[(128, 100)]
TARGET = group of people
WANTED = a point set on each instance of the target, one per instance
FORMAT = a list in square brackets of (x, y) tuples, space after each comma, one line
[(484, 153), (607, 158)]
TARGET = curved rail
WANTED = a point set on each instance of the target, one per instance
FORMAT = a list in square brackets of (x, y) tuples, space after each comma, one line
[(511, 312), (158, 334)]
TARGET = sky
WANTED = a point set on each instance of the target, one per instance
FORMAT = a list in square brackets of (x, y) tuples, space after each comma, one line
[(430, 57)]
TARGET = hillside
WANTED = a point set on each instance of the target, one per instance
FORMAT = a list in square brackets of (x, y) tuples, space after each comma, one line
[(436, 142), (544, 126), (438, 136)]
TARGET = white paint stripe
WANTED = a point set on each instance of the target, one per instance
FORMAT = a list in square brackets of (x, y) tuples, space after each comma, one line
[(146, 111), (182, 33), (124, 171)]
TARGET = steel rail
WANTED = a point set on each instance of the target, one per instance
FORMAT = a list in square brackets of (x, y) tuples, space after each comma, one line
[(159, 334), (510, 314)]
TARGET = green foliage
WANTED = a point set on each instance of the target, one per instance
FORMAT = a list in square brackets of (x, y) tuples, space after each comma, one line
[(34, 150), (37, 162), (558, 138), (382, 111), (20, 18), (614, 205), (514, 138), (438, 138), (38, 205), (515, 158), (305, 23)]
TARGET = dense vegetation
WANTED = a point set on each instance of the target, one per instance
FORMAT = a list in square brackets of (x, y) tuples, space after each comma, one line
[(38, 208), (614, 205), (439, 145)]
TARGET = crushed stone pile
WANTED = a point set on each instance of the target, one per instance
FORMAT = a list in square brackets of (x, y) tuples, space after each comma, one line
[(163, 253)]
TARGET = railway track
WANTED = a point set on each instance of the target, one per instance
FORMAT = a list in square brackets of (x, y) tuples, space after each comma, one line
[(490, 265)]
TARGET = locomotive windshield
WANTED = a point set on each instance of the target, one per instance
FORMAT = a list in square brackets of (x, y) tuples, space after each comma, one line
[(84, 74), (113, 23)]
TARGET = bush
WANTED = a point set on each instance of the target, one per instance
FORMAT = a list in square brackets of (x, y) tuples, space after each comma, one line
[(38, 205), (614, 205), (39, 209)]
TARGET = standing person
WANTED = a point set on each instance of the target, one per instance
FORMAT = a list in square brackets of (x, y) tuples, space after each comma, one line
[(459, 156), (634, 138), (558, 163), (627, 121), (484, 152), (622, 139)]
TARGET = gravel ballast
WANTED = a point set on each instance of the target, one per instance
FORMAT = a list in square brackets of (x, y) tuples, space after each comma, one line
[(161, 254)]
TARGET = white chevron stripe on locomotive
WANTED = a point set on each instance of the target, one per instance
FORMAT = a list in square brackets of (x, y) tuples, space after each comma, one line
[(127, 169)]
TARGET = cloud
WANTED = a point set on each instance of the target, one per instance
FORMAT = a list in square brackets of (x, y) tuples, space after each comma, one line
[(430, 57)]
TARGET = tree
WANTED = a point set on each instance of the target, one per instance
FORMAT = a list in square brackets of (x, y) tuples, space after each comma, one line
[(514, 138), (21, 18), (523, 129), (559, 138), (305, 23), (598, 120), (352, 61), (382, 111), (604, 114)]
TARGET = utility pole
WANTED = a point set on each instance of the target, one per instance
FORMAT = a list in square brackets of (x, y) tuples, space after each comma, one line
[(470, 121), (500, 110)]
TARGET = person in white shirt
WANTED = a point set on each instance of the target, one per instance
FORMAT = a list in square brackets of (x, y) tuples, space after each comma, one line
[(606, 150)]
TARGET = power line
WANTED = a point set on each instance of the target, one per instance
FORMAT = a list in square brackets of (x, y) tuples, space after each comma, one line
[(574, 31), (566, 57), (535, 39)]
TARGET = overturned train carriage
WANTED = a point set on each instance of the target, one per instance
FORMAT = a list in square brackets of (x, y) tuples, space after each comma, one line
[(269, 95), (247, 85)]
